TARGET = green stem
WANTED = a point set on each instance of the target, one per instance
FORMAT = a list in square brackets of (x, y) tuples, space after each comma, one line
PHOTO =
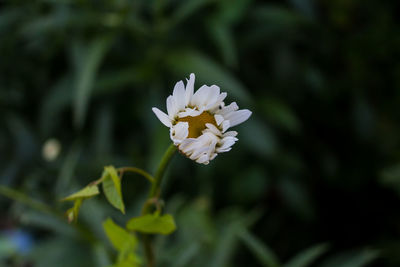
[(155, 188), (138, 171), (155, 194)]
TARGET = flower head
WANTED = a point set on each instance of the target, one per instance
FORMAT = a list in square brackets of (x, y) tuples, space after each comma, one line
[(199, 121)]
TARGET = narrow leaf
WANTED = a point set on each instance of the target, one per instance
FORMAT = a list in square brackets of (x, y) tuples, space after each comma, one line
[(87, 192), (152, 224), (308, 256), (356, 258), (264, 254), (89, 59), (118, 236), (208, 71)]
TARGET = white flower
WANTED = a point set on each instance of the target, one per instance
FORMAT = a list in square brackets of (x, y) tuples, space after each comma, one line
[(199, 121)]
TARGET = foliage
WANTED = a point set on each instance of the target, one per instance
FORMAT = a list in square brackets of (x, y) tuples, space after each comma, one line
[(313, 181)]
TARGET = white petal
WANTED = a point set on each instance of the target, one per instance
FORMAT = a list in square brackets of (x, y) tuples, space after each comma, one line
[(171, 107), (212, 97), (222, 97), (189, 144), (206, 96), (238, 117), (190, 112), (228, 142), (162, 117), (204, 159), (213, 129), (198, 152), (220, 150), (200, 96), (189, 89), (228, 109), (219, 119), (179, 132), (179, 95), (230, 133), (225, 126)]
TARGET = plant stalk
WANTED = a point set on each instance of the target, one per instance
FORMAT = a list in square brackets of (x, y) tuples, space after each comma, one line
[(154, 193)]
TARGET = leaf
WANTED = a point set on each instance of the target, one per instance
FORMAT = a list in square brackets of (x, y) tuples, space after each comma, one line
[(207, 71), (356, 258), (152, 224), (88, 60), (118, 236), (223, 38), (72, 213), (186, 9), (131, 260), (87, 192), (264, 254), (112, 188), (308, 256)]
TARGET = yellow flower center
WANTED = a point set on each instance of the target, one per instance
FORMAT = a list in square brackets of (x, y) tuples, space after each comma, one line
[(198, 124)]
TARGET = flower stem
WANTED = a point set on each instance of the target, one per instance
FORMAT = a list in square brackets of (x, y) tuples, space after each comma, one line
[(154, 193), (155, 188)]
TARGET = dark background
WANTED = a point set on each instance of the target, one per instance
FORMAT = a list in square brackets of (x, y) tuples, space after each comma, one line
[(315, 173)]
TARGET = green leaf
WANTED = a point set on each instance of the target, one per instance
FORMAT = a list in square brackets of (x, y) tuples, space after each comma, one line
[(118, 236), (207, 71), (112, 188), (186, 9), (308, 256), (72, 213), (152, 224), (264, 254), (87, 192), (88, 60), (356, 258)]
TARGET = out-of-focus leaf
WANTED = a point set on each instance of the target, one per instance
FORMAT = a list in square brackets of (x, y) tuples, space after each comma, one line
[(87, 67), (67, 169), (131, 260), (112, 188), (207, 71), (54, 102), (152, 224), (390, 177), (88, 191), (186, 9), (186, 255), (264, 254), (358, 258), (118, 236), (49, 222), (307, 257), (222, 35), (232, 11), (228, 239), (258, 137), (277, 16), (296, 197), (61, 252), (280, 113), (100, 255)]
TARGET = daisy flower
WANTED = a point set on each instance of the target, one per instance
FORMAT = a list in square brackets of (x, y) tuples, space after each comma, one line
[(199, 121)]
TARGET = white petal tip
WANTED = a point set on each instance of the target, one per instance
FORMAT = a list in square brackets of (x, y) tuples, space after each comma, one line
[(162, 117)]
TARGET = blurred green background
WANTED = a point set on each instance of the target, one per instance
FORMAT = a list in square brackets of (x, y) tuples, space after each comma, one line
[(313, 181)]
